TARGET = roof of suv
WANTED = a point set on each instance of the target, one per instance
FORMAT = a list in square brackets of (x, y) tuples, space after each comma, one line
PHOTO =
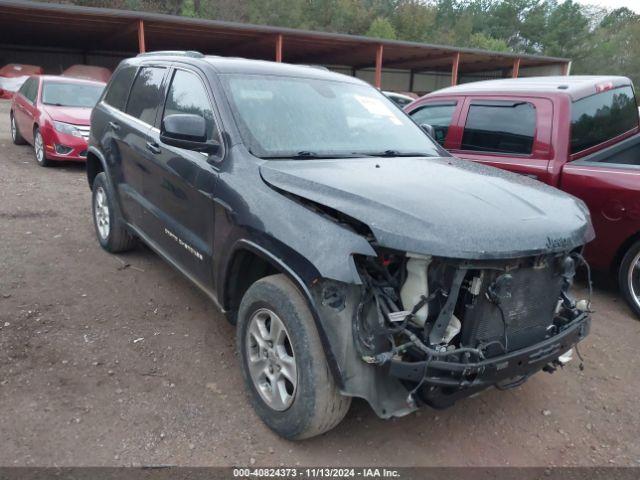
[(578, 86), (251, 67)]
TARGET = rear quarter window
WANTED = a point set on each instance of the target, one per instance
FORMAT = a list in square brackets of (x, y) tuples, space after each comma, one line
[(119, 87), (602, 116)]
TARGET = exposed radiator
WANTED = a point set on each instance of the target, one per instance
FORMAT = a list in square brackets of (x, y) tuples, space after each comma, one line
[(530, 296)]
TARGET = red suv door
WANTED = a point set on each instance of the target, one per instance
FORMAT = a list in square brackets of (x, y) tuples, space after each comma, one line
[(512, 133)]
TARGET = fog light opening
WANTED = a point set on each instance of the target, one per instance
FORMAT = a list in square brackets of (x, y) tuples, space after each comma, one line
[(63, 149)]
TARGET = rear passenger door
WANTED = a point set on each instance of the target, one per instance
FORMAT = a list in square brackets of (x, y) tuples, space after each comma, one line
[(180, 183), (509, 133), (134, 131)]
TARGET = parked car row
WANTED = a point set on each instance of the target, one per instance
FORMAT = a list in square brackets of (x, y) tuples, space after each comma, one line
[(13, 75)]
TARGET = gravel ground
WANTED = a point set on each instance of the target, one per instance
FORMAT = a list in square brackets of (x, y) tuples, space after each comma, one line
[(109, 360)]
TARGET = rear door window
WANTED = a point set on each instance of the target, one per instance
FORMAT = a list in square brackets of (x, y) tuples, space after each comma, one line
[(438, 115), (601, 117), (500, 127), (119, 87), (146, 94)]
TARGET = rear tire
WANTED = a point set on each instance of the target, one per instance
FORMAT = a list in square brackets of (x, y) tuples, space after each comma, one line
[(15, 132), (39, 149), (629, 278), (308, 405), (111, 229)]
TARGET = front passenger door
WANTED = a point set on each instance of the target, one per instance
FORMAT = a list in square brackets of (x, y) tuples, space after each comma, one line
[(181, 182)]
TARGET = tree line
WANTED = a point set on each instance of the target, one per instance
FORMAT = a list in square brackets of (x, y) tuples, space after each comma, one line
[(598, 40)]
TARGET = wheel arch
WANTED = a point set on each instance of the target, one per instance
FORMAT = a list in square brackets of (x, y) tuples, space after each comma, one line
[(262, 263), (95, 165), (622, 250)]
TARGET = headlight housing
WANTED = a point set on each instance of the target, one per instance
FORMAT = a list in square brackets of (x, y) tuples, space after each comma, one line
[(66, 128)]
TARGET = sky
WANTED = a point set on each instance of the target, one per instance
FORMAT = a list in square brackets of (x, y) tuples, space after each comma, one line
[(612, 4)]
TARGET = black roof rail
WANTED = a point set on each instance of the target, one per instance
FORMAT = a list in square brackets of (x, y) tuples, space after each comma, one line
[(173, 53)]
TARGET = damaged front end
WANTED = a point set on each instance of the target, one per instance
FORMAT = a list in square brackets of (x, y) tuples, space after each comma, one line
[(430, 330), (483, 300)]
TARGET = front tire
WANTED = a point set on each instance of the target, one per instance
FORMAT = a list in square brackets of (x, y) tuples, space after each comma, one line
[(15, 133), (39, 150), (110, 228), (283, 362), (629, 277)]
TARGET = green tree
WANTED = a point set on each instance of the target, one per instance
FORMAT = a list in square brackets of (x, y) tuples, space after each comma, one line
[(381, 28), (282, 13), (413, 20), (567, 32), (480, 40)]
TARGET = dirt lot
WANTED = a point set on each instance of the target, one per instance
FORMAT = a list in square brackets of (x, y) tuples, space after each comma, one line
[(120, 361)]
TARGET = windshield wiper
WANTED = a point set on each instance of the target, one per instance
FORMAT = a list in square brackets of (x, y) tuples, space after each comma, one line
[(394, 153), (306, 154)]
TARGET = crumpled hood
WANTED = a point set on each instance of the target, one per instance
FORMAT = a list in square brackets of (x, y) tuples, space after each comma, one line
[(440, 206)]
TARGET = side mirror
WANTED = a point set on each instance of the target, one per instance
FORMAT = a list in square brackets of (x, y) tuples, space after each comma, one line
[(188, 131), (429, 130)]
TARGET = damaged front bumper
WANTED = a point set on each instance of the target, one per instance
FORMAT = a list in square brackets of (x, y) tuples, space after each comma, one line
[(446, 380)]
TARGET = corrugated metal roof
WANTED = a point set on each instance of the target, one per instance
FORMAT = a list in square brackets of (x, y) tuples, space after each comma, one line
[(51, 25)]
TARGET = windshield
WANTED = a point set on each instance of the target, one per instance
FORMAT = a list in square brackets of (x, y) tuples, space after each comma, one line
[(71, 94), (284, 117)]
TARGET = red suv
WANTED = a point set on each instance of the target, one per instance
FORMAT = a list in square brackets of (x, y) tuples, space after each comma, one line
[(577, 133), (52, 114)]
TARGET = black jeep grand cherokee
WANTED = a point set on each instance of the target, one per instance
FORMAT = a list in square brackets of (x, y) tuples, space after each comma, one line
[(357, 257)]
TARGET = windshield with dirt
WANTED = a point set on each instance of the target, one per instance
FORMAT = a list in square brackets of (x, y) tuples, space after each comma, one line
[(287, 117), (63, 94)]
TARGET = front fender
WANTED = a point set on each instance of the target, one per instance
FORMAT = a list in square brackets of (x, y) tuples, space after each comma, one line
[(275, 256)]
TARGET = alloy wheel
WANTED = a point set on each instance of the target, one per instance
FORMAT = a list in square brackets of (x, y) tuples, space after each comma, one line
[(14, 129), (633, 278), (271, 359), (38, 145), (101, 213)]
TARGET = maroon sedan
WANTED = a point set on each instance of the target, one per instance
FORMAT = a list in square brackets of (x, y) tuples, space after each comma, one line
[(576, 133), (52, 114)]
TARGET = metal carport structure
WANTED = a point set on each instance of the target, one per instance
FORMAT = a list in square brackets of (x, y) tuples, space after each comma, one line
[(46, 31)]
